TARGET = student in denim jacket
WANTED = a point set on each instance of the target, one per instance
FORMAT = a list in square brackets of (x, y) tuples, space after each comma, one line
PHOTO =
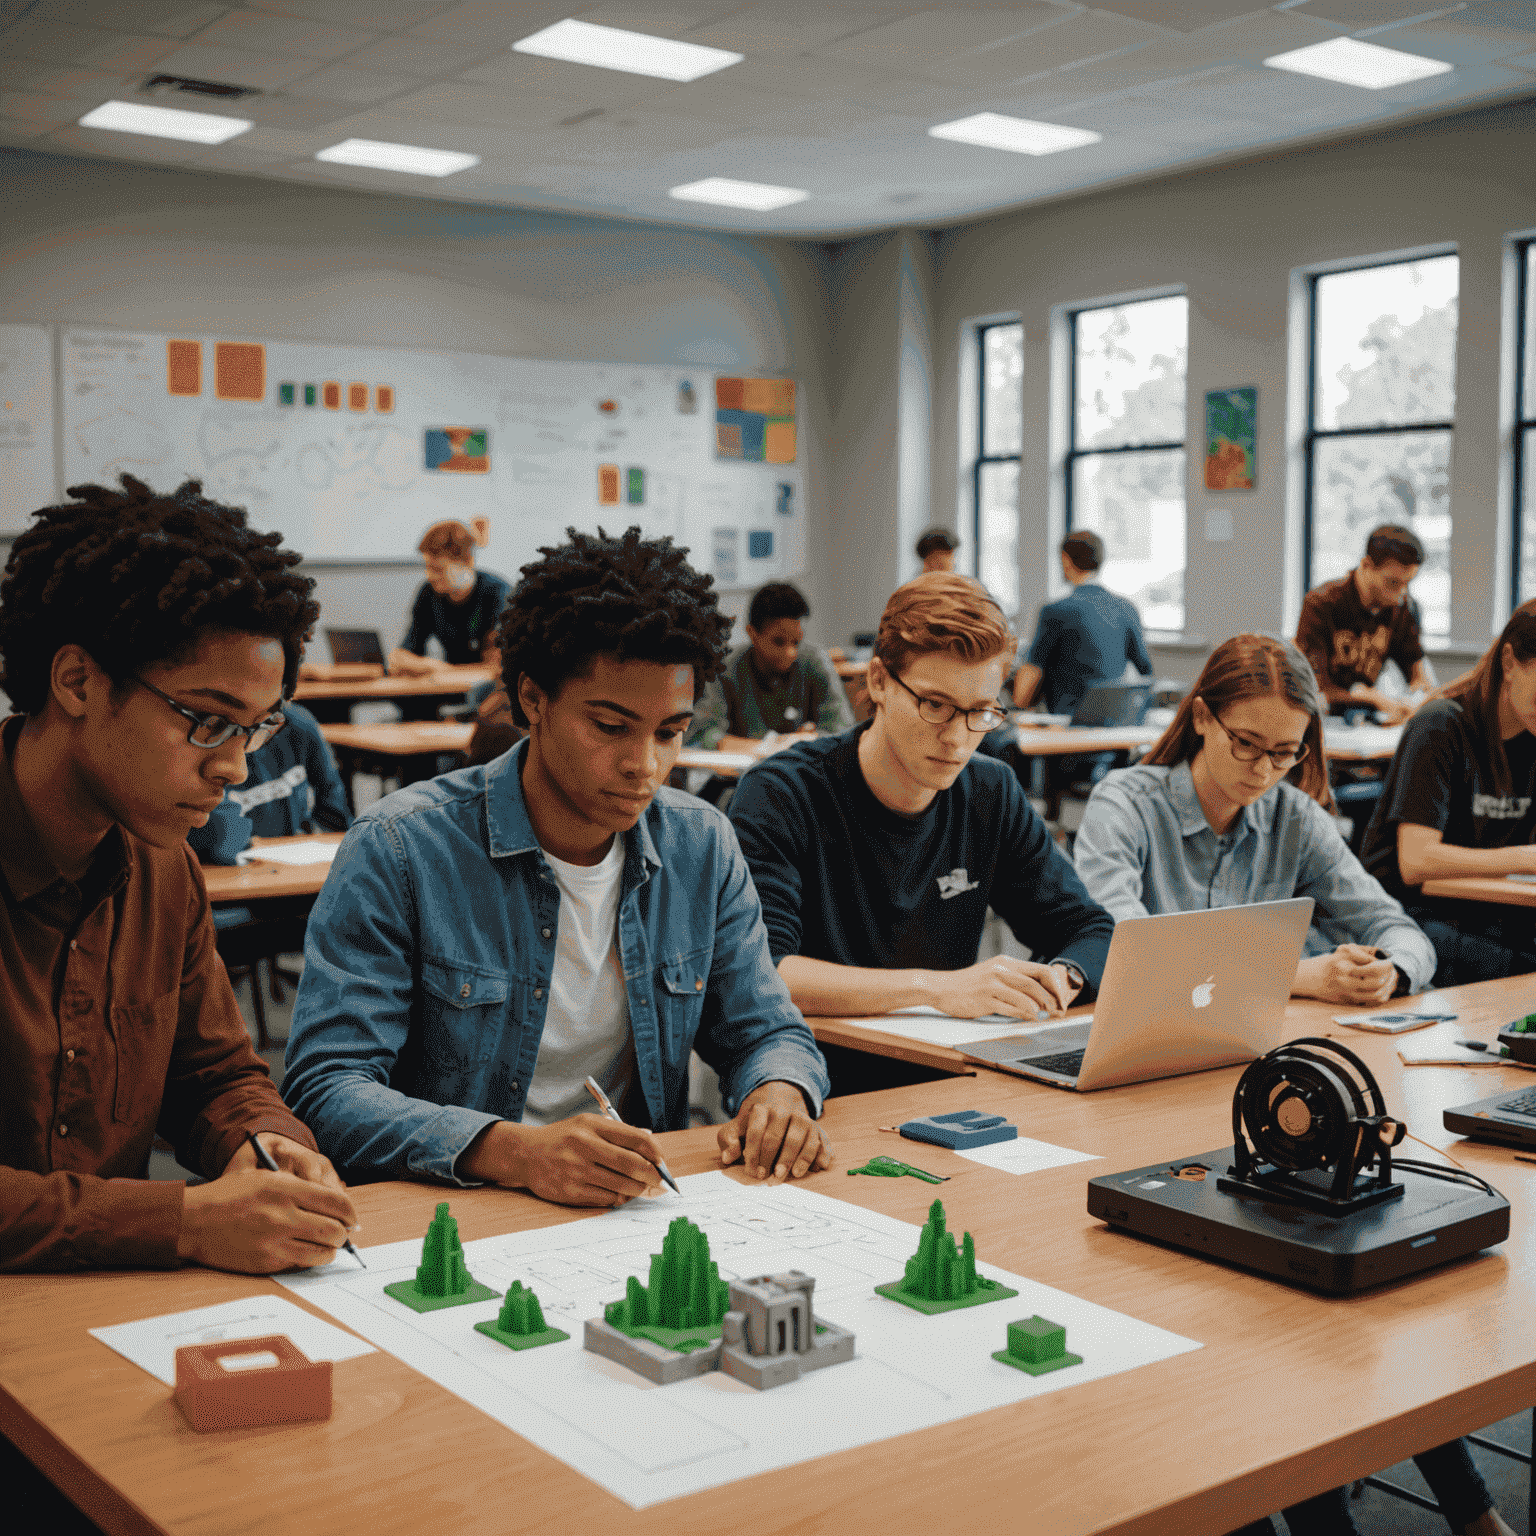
[(488, 939)]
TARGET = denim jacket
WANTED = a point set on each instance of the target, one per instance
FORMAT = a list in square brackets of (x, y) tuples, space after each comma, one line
[(428, 959)]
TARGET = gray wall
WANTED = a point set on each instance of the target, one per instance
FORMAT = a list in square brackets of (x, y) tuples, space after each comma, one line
[(1232, 237), (126, 245)]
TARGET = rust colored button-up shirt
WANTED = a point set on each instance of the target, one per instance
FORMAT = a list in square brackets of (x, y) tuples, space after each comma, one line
[(116, 1019)]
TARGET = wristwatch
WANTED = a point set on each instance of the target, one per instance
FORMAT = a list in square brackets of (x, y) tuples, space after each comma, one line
[(1079, 981)]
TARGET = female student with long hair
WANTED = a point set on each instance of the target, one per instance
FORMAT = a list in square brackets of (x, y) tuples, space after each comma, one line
[(1460, 799), (1231, 806)]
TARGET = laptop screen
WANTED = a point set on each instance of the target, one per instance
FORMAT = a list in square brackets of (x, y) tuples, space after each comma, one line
[(355, 645)]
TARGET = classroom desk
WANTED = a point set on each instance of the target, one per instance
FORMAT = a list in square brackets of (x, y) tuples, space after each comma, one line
[(1507, 893), (264, 878), (1359, 743), (1292, 1393), (416, 697), (404, 750)]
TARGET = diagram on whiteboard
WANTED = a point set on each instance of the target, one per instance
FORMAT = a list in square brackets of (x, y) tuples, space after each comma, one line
[(647, 1442), (26, 423), (351, 452)]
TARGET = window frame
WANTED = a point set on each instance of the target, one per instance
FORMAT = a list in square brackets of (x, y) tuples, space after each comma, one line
[(1523, 419), (981, 458), (1313, 435)]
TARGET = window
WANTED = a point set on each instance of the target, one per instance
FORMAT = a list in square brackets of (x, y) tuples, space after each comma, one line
[(1383, 403), (1125, 457), (995, 474), (1525, 429)]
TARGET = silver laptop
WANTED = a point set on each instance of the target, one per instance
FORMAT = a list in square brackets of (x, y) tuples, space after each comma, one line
[(1182, 992)]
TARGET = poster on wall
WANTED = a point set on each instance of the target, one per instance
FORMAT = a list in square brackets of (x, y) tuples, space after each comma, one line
[(1231, 427)]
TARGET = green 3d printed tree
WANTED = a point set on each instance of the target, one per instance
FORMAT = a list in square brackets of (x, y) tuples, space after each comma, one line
[(442, 1280), (939, 1278), (520, 1323), (683, 1305)]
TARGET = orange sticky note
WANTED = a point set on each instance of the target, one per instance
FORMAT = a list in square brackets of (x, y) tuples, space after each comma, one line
[(330, 395), (357, 397), (607, 485), (184, 367), (384, 398), (779, 442), (239, 370)]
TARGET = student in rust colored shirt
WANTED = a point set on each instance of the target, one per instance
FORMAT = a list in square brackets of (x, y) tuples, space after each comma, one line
[(1351, 627), (147, 642)]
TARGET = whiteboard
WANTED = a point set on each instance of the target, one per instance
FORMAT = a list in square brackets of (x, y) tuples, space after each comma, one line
[(351, 452), (26, 424)]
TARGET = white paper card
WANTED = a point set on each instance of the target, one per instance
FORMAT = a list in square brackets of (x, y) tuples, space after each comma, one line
[(1024, 1155), (152, 1343), (290, 853)]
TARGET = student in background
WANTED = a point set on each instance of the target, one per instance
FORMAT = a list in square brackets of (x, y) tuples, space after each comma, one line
[(489, 938), (489, 707), (456, 605), (877, 852), (291, 786), (775, 685), (1351, 627), (147, 641), (1231, 806), (1084, 639), (1460, 799), (936, 549)]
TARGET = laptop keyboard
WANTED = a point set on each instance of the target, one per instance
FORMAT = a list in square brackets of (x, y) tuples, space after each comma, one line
[(1521, 1104), (1069, 1063)]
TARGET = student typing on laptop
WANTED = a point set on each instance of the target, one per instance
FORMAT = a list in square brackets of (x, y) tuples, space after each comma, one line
[(876, 853), (1230, 807)]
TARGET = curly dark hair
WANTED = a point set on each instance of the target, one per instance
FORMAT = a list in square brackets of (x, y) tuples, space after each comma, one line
[(631, 598), (135, 578)]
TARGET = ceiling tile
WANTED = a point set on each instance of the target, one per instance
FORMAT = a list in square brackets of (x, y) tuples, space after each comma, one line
[(1259, 37), (59, 43), (1069, 42), (370, 15), (417, 56), (394, 127), (17, 130), (340, 82), (235, 66), (123, 146), (159, 18), (1525, 61), (1186, 16), (455, 102), (291, 36), (780, 26), (724, 102), (581, 84), (1455, 43), (934, 36), (492, 23), (56, 80), (40, 109), (659, 19), (1355, 14)]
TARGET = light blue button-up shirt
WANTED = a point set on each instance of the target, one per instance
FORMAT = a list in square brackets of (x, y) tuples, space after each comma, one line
[(428, 959), (1145, 846)]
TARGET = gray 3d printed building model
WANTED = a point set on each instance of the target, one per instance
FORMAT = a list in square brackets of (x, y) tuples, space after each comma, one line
[(769, 1336)]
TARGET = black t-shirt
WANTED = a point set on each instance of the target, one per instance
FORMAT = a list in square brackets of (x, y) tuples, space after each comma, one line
[(461, 627), (1442, 777), (843, 878)]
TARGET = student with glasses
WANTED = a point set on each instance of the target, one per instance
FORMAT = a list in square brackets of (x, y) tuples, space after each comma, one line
[(148, 642), (1232, 806), (878, 851)]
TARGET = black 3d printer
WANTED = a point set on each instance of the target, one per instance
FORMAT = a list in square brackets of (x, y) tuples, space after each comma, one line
[(1309, 1191)]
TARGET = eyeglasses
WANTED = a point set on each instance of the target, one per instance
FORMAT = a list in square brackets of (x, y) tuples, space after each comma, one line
[(978, 720), (210, 731), (1246, 751)]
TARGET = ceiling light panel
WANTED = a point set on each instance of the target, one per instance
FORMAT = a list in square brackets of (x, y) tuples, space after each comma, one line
[(165, 122), (411, 159), (1349, 61), (724, 193), (992, 130), (633, 53)]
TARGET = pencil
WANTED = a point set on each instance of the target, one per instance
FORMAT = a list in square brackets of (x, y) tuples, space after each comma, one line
[(613, 1114), (268, 1162)]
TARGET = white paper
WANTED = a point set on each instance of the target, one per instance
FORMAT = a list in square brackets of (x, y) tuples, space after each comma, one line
[(645, 1443), (1449, 1056), (935, 1028), (1024, 1155), (152, 1343), (1392, 1021), (290, 853)]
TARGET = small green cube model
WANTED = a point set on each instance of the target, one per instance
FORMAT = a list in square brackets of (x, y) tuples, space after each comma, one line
[(1037, 1346), (520, 1323), (442, 1280), (939, 1277)]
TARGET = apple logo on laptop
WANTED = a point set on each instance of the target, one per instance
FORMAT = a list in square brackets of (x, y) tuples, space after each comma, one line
[(1201, 996)]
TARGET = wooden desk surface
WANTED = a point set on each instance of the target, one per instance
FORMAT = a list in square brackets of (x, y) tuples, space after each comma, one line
[(1292, 1393), (1342, 744), (401, 738), (1508, 893), (260, 878), (446, 681)]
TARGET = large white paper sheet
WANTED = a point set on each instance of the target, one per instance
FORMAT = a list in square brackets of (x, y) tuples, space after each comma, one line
[(934, 1028), (290, 853), (645, 1443), (1024, 1155), (152, 1342)]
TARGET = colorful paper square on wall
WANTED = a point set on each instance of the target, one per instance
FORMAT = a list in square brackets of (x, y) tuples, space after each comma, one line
[(239, 370), (184, 367), (755, 420), (458, 450), (1231, 429), (357, 397)]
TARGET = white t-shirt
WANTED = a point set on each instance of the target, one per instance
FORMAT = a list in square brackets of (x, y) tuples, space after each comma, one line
[(586, 1028)]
